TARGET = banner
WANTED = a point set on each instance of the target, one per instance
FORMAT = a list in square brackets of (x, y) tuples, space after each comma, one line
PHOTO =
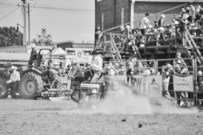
[(183, 83), (148, 85)]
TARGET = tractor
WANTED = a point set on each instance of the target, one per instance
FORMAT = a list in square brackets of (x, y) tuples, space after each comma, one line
[(35, 79)]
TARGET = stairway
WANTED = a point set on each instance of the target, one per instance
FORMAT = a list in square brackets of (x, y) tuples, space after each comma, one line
[(192, 48)]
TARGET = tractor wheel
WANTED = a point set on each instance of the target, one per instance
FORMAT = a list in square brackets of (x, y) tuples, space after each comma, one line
[(3, 89), (30, 85)]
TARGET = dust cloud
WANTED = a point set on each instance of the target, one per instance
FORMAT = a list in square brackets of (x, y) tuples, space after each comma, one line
[(121, 100)]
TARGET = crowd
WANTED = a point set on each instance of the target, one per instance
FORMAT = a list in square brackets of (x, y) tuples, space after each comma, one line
[(158, 32)]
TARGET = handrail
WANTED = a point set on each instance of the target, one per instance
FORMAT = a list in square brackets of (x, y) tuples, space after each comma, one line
[(115, 47), (192, 42), (141, 18)]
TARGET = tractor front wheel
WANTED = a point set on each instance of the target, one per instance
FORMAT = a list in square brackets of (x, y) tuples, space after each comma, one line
[(30, 85)]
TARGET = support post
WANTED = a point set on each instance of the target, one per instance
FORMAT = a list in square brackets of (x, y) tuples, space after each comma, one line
[(132, 14)]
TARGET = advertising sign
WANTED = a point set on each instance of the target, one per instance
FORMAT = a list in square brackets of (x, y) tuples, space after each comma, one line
[(183, 83), (148, 85)]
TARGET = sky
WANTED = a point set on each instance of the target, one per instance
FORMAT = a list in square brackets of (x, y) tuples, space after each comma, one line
[(65, 20)]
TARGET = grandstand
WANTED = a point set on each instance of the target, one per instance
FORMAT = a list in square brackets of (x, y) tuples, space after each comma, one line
[(158, 45)]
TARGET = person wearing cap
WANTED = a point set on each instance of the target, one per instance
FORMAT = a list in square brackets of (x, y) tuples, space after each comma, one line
[(13, 82), (33, 56)]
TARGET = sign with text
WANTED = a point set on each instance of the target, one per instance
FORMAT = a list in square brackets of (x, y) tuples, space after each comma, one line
[(183, 83)]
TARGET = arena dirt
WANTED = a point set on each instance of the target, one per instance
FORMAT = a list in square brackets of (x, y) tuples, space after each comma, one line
[(120, 113)]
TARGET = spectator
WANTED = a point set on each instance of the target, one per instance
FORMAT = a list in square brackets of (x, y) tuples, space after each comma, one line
[(166, 73), (192, 12), (183, 23), (129, 72), (98, 35), (144, 24), (13, 82), (161, 20)]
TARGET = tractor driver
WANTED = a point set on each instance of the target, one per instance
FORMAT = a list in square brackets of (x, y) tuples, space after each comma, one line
[(33, 56), (13, 82)]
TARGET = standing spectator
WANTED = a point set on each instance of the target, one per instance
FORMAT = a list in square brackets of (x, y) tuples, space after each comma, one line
[(161, 20), (197, 12), (98, 35), (192, 12), (144, 24), (182, 26), (129, 72), (13, 82)]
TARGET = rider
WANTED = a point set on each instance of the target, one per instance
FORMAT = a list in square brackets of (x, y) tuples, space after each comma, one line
[(97, 66)]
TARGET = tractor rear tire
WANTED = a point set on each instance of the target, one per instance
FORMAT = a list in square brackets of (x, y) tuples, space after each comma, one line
[(30, 85), (3, 88)]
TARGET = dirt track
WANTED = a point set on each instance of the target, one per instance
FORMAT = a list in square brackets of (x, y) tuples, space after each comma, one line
[(27, 117)]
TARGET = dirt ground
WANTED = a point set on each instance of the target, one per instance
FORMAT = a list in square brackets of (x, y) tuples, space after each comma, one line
[(41, 117)]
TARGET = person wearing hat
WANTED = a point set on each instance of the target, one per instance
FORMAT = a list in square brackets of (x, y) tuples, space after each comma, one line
[(33, 56), (13, 82)]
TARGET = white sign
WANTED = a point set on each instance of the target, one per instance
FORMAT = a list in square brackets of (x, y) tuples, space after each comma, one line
[(183, 83)]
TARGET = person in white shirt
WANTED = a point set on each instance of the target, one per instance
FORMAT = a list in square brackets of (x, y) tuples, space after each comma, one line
[(97, 67), (144, 24), (13, 82)]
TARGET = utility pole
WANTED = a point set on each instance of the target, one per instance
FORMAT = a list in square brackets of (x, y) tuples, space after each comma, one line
[(24, 23), (28, 23)]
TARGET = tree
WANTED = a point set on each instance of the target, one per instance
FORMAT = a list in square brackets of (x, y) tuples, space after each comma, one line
[(43, 39), (9, 36)]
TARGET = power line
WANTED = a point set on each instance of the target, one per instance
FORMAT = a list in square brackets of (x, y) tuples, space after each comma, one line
[(66, 9), (8, 14)]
